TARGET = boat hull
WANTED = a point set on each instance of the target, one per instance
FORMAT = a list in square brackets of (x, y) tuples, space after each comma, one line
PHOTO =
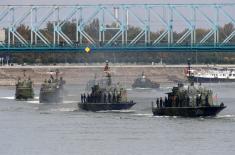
[(24, 94), (136, 86), (211, 80), (145, 84), (50, 97), (188, 111), (105, 106)]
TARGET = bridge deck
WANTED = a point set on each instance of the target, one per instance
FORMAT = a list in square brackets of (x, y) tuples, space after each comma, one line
[(230, 48)]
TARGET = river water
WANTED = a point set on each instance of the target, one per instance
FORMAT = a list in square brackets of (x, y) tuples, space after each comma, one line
[(30, 128)]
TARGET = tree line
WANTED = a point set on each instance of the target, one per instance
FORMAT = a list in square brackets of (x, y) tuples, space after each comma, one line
[(69, 28), (121, 57)]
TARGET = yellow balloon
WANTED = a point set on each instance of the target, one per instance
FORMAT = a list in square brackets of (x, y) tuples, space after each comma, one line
[(87, 49)]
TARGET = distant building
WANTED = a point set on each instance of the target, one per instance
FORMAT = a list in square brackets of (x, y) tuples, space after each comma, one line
[(2, 35)]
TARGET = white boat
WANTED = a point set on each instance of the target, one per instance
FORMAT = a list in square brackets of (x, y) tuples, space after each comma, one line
[(211, 74)]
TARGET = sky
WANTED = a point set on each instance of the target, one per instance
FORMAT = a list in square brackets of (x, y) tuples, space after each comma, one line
[(71, 2), (75, 2)]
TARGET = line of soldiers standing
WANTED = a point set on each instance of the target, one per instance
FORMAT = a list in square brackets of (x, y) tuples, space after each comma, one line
[(25, 82), (99, 98), (174, 101)]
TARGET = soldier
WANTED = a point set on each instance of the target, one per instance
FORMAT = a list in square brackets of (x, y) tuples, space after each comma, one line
[(166, 102), (88, 98), (181, 100), (29, 81), (187, 101), (93, 97), (200, 99), (197, 101), (207, 100), (177, 101), (24, 82), (222, 104), (170, 102), (109, 97), (52, 77), (157, 102), (62, 82), (98, 96), (19, 80), (161, 104), (119, 97), (114, 98), (173, 101), (82, 99), (104, 97)]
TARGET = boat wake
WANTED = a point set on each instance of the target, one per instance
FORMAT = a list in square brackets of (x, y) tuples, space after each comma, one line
[(69, 102), (165, 88), (225, 116), (64, 102), (8, 97), (139, 88), (116, 111), (151, 115), (33, 102), (144, 115), (165, 116), (64, 110)]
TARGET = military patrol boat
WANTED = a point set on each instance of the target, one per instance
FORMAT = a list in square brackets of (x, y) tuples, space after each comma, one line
[(24, 88), (144, 82), (188, 100), (52, 89), (105, 95)]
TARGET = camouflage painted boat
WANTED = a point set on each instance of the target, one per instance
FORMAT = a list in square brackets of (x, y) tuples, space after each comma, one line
[(52, 90), (144, 82), (105, 96), (201, 111), (24, 88), (188, 100)]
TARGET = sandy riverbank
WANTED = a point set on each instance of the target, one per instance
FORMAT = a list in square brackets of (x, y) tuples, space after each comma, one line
[(80, 74)]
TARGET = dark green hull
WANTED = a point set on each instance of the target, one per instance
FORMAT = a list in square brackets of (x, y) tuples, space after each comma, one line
[(105, 106), (188, 111), (147, 84), (51, 96), (24, 94)]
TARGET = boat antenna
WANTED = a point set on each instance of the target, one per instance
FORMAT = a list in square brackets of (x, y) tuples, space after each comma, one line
[(190, 80), (24, 70), (189, 67), (57, 73), (107, 72)]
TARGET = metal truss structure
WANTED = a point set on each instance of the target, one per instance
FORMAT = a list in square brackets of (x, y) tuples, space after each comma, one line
[(106, 27)]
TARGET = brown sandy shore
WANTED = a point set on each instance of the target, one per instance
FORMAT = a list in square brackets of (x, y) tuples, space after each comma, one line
[(80, 74)]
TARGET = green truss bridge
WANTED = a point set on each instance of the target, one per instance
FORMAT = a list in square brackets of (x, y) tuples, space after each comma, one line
[(117, 27)]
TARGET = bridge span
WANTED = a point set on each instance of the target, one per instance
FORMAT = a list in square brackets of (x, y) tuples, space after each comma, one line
[(117, 27)]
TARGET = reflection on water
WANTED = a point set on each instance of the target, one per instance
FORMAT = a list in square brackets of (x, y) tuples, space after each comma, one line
[(28, 127)]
